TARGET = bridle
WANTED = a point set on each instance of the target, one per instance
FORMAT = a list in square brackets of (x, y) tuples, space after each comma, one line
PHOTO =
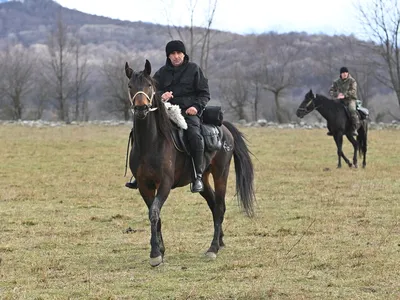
[(306, 109), (142, 108)]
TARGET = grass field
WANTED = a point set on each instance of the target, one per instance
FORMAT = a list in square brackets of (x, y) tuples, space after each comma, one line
[(319, 232)]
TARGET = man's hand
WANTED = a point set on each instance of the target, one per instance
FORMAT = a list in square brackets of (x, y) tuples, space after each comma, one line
[(191, 111), (166, 96), (340, 96)]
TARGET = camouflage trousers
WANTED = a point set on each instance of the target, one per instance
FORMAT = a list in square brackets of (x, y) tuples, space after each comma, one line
[(351, 105)]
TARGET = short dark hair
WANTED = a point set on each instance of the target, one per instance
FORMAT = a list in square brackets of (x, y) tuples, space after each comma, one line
[(343, 70)]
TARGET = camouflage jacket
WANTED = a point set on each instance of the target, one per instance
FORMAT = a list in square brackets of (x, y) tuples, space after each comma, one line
[(347, 87)]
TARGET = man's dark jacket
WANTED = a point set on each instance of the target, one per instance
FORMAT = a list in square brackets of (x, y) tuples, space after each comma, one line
[(187, 82)]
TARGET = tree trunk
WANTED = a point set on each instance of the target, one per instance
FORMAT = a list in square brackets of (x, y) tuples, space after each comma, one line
[(279, 115)]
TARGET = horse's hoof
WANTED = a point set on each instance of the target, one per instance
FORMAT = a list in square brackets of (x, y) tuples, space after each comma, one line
[(356, 166), (211, 255), (155, 261)]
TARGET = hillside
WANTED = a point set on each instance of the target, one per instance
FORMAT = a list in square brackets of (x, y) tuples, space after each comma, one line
[(282, 66), (31, 21)]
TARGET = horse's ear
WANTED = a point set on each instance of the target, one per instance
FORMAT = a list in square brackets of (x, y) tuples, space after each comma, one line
[(128, 71), (147, 68)]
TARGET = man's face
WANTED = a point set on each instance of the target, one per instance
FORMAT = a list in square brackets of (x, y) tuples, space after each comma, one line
[(344, 75), (176, 58)]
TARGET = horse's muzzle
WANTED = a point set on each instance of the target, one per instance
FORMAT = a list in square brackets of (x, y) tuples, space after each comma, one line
[(300, 113), (141, 111)]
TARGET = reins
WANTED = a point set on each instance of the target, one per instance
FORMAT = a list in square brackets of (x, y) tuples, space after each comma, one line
[(309, 102), (130, 142)]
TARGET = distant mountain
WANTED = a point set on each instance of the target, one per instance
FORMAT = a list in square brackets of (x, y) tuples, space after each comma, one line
[(30, 21)]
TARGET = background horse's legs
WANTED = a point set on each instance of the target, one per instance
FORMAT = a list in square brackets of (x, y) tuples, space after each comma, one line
[(353, 141), (362, 141), (338, 137), (216, 203), (155, 204)]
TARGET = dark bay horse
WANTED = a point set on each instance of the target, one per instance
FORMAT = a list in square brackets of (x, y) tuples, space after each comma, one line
[(159, 167), (339, 124)]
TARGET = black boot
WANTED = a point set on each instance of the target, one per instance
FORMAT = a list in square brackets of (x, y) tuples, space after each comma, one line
[(132, 185), (355, 122), (197, 185)]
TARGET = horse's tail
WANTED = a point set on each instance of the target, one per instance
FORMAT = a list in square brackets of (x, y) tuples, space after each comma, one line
[(362, 138), (244, 170)]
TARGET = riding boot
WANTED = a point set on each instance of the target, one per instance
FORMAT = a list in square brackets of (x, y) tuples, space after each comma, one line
[(355, 123), (132, 185), (198, 159)]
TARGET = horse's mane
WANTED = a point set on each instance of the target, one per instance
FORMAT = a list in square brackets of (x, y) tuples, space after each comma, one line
[(322, 96), (163, 122), (330, 103)]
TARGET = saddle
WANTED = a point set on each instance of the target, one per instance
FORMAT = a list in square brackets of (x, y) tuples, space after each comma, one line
[(363, 112), (211, 121), (212, 138)]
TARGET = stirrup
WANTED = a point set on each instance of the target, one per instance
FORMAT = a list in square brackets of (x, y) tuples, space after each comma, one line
[(132, 185), (197, 186)]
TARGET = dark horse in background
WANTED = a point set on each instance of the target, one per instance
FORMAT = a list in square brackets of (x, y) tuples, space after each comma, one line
[(159, 167), (339, 124)]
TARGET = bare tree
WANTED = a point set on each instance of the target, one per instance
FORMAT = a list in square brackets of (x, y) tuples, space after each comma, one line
[(381, 20), (279, 72), (196, 38), (60, 65), (17, 79), (116, 86), (40, 96), (80, 87), (255, 80), (235, 94)]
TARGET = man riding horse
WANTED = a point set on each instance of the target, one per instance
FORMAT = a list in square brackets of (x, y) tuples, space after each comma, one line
[(183, 83), (345, 89)]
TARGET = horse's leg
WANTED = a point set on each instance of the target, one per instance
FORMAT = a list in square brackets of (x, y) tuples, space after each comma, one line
[(364, 152), (338, 147), (155, 204), (338, 137), (353, 141), (363, 139), (216, 203)]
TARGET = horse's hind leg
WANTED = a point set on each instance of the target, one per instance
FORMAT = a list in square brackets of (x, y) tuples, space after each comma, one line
[(216, 203), (363, 139), (364, 151)]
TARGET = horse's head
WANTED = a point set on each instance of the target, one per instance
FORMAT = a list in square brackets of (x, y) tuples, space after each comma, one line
[(141, 90), (307, 106)]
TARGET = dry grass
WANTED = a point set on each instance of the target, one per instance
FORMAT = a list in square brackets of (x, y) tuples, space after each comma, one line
[(319, 232)]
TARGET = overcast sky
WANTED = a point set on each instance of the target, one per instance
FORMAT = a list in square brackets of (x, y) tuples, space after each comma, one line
[(239, 16)]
